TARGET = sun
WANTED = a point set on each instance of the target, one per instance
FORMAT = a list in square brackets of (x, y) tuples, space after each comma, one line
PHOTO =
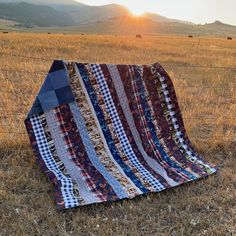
[(136, 11)]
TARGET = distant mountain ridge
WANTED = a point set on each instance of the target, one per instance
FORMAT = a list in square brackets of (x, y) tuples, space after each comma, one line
[(112, 18), (45, 2), (82, 13), (34, 15)]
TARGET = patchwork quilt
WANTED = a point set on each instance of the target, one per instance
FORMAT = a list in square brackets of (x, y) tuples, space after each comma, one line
[(104, 132)]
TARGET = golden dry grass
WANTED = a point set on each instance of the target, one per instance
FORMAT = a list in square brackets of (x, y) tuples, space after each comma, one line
[(208, 101)]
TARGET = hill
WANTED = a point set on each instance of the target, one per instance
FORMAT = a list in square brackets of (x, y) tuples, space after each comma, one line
[(81, 13), (107, 19), (88, 14), (34, 15), (143, 25), (219, 27), (44, 2)]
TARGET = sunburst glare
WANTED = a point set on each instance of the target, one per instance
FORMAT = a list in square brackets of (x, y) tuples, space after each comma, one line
[(136, 11)]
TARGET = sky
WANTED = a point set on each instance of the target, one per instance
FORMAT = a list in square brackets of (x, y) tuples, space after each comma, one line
[(196, 11)]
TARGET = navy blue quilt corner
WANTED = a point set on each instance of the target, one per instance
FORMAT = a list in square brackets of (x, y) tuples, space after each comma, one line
[(55, 90), (57, 65)]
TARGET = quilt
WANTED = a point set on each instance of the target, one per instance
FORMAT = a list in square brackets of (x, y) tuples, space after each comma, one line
[(105, 132)]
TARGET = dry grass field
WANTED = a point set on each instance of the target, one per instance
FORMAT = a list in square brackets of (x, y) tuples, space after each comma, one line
[(207, 97)]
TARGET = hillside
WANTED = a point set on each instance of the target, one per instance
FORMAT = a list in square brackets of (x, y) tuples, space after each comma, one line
[(44, 2), (107, 19), (143, 25), (89, 14), (34, 15), (81, 13), (219, 27), (159, 18), (86, 14)]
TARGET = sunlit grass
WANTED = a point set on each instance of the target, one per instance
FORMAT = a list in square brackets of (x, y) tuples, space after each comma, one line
[(208, 102)]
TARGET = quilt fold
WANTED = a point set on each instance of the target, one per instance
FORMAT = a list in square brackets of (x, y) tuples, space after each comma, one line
[(105, 132)]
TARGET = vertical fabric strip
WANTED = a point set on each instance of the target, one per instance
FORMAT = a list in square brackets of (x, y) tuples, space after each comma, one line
[(92, 154), (95, 133), (127, 130), (94, 101), (128, 115), (69, 199), (163, 128), (164, 82), (74, 171), (129, 83), (125, 144), (78, 153), (152, 136), (114, 135), (56, 158)]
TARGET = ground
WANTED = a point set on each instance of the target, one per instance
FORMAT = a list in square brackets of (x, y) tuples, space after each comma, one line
[(208, 102)]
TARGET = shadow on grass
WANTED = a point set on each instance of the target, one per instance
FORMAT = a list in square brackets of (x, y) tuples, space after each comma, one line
[(23, 153)]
